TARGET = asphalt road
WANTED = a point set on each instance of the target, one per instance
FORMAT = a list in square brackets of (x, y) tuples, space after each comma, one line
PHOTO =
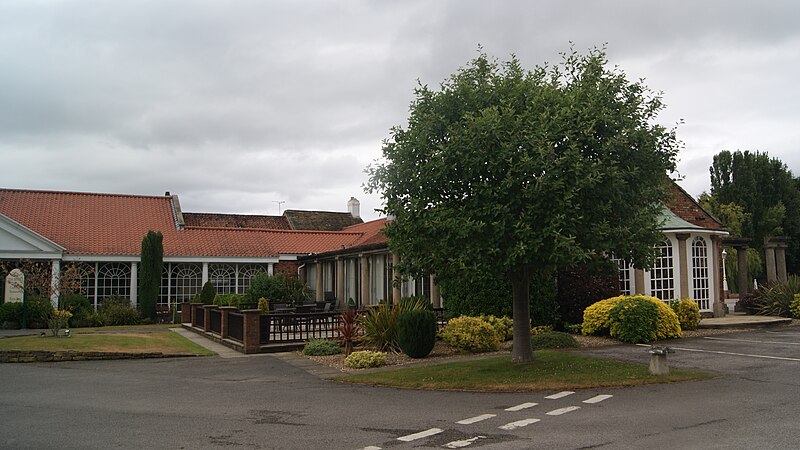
[(263, 402)]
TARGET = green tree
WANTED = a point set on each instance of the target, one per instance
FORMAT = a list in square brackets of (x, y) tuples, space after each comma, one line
[(767, 193), (150, 269), (520, 172)]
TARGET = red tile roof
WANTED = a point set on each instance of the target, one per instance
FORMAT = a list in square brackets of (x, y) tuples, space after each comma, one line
[(113, 224)]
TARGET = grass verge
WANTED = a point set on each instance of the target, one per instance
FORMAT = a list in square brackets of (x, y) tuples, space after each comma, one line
[(549, 370), (159, 326), (163, 341)]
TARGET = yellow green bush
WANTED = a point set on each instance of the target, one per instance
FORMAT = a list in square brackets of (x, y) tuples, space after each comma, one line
[(688, 313), (364, 359), (503, 326), (470, 334), (795, 306), (597, 318)]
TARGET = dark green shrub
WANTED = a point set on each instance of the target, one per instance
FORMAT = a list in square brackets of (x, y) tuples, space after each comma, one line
[(776, 298), (262, 285), (746, 302), (80, 307), (553, 339), (321, 347), (409, 303), (416, 332), (11, 315), (150, 271), (229, 300), (37, 311), (208, 293), (380, 327), (118, 311), (634, 320)]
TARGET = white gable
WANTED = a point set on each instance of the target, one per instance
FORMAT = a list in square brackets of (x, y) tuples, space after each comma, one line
[(18, 241)]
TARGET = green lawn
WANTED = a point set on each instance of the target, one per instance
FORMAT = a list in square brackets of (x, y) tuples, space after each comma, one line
[(164, 326), (163, 341), (549, 370)]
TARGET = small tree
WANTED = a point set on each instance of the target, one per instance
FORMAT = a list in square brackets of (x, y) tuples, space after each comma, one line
[(522, 172), (150, 270)]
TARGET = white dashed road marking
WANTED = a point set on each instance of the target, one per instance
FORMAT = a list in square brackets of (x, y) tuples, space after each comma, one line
[(751, 340), (371, 447), (464, 443), (518, 424), (598, 398), (559, 395), (476, 419), (697, 350), (522, 406), (420, 435), (560, 411)]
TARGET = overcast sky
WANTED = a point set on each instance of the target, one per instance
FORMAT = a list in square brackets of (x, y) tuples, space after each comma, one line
[(236, 105)]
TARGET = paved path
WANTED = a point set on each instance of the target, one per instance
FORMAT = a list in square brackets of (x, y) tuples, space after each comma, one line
[(219, 349)]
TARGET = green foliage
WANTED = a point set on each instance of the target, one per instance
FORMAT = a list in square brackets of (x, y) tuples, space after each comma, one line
[(262, 285), (416, 332), (229, 300), (759, 195), (208, 293), (599, 318), (118, 311), (37, 311), (754, 268), (11, 315), (794, 307), (553, 339), (380, 327), (321, 347), (503, 326), (414, 303), (59, 318), (151, 268), (688, 313), (470, 334), (520, 172), (483, 293), (364, 359), (776, 298), (541, 329), (79, 306), (634, 320), (263, 305)]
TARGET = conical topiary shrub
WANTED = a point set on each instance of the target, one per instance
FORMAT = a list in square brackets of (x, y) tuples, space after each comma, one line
[(416, 332)]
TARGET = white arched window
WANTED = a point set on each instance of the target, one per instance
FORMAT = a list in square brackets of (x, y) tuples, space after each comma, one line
[(114, 279), (246, 273), (700, 282), (624, 276), (662, 275), (223, 276)]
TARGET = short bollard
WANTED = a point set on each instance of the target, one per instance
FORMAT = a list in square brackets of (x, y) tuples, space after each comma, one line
[(658, 360)]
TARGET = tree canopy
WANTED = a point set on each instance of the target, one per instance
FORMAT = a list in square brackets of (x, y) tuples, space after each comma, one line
[(756, 196), (522, 171)]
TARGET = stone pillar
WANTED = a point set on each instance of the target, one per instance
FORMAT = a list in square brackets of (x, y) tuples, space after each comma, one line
[(186, 312), (780, 262), (772, 273), (320, 286), (396, 293), (436, 299), (271, 269), (205, 273), (741, 263), (364, 269), (224, 310), (134, 284), (340, 280), (683, 265), (55, 282), (638, 282), (252, 331)]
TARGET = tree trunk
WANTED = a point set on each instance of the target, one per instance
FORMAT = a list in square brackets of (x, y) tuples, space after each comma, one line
[(520, 283)]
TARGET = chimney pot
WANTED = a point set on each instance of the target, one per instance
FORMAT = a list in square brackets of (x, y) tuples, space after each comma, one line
[(354, 207)]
